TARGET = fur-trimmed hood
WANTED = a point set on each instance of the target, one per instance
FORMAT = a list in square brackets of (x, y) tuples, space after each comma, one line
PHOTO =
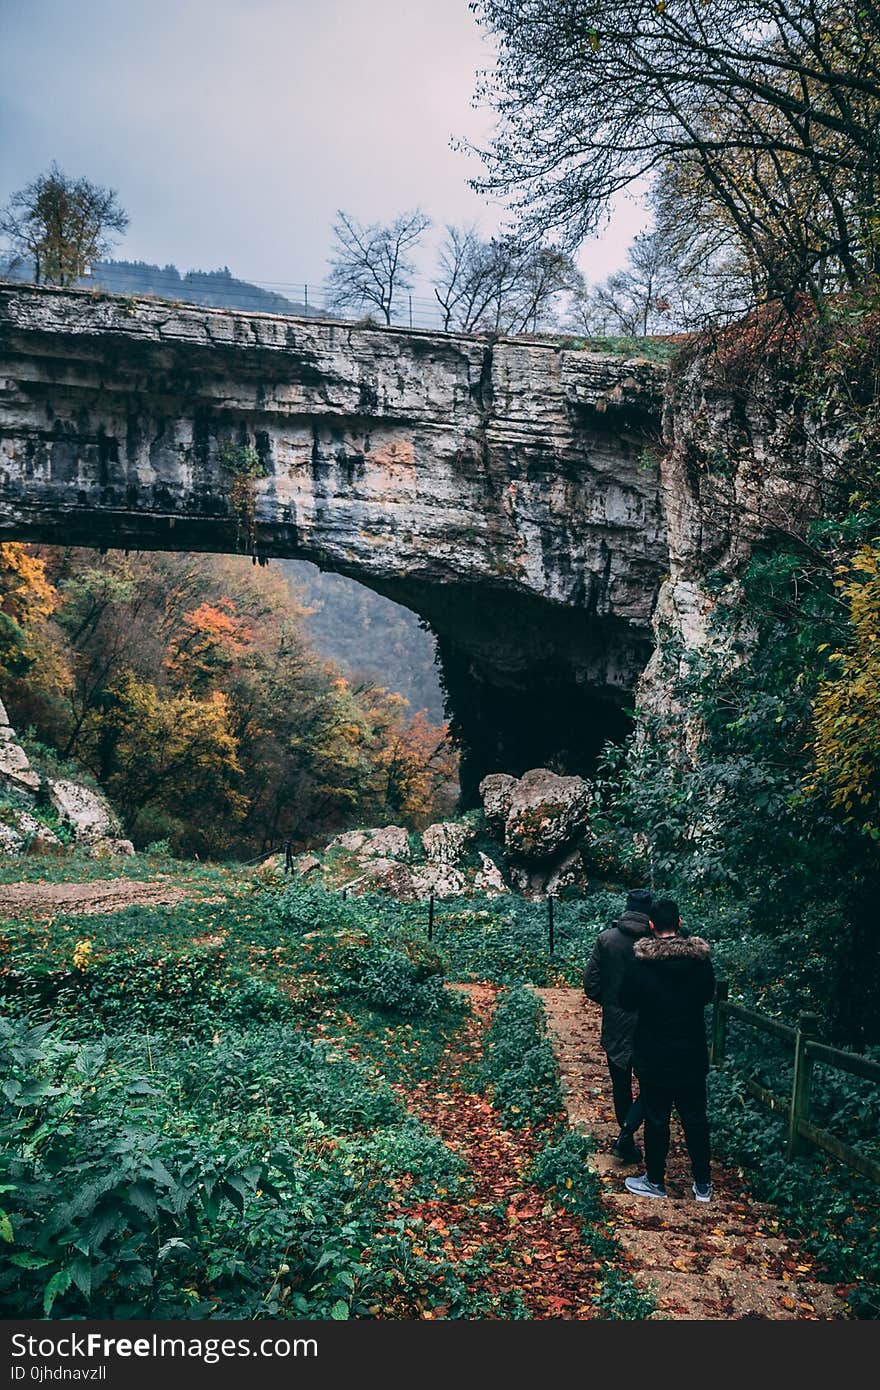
[(651, 948)]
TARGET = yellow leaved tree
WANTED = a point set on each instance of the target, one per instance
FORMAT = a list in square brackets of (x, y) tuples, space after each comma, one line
[(846, 742), (27, 598)]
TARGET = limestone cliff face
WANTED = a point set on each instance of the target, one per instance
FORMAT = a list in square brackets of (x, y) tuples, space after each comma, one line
[(743, 466), (506, 490)]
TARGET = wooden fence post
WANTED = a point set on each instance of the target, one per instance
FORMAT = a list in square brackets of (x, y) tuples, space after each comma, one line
[(802, 1081), (719, 1024)]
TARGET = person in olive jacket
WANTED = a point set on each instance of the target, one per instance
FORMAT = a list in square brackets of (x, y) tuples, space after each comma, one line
[(668, 984), (603, 977)]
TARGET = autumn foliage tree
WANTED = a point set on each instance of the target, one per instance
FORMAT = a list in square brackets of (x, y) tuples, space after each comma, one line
[(846, 743), (27, 598), (59, 225), (185, 685), (764, 111)]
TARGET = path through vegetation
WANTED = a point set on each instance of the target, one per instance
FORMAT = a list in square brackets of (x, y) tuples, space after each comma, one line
[(725, 1259), (514, 1239), (19, 900)]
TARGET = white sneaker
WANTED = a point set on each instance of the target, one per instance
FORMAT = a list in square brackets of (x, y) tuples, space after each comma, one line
[(703, 1191), (643, 1187)]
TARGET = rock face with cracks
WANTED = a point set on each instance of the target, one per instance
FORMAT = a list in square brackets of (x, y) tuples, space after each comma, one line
[(507, 490)]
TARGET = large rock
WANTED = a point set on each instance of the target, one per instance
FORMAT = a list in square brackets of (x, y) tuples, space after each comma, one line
[(386, 876), (542, 819), (547, 814), (20, 832), (488, 879), (86, 812), (444, 880), (15, 769), (385, 842), (446, 841), (381, 861), (496, 792)]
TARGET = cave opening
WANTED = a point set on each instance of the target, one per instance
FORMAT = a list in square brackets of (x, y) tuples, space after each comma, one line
[(523, 683)]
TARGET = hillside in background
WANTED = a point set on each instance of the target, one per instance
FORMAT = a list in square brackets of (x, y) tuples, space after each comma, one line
[(368, 636), (218, 289)]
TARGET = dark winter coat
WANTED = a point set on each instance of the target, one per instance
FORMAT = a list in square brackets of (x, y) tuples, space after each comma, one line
[(668, 984), (603, 977)]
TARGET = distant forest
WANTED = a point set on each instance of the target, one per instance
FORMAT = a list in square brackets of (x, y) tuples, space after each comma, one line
[(217, 289), (368, 636)]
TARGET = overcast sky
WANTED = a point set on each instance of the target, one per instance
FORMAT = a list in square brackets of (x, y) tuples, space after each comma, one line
[(233, 129)]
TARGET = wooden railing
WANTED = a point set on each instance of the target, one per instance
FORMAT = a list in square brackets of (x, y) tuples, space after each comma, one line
[(808, 1050)]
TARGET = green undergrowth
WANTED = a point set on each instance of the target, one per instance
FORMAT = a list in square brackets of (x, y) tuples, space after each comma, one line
[(76, 864), (519, 1069), (831, 1210), (504, 939), (653, 349), (142, 1177), (250, 1044), (195, 1129)]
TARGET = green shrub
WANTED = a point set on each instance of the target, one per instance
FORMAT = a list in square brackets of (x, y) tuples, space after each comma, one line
[(388, 980), (143, 1177), (518, 1066), (188, 992), (621, 1298), (832, 1210), (563, 1168)]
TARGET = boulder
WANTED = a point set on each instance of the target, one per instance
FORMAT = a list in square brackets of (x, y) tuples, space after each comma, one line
[(442, 879), (352, 841), (386, 876), (547, 814), (388, 842), (106, 849), (306, 864), (541, 819), (38, 836), (11, 841), (15, 769), (488, 879), (86, 812), (568, 873), (444, 842), (496, 792), (21, 832)]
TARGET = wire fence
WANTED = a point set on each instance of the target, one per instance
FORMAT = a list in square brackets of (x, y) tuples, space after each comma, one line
[(220, 290)]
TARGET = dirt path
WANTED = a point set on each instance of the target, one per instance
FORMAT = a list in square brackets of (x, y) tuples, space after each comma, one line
[(21, 900), (503, 1222), (719, 1260)]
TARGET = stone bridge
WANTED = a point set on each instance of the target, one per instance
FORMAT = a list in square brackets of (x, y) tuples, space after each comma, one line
[(506, 490)]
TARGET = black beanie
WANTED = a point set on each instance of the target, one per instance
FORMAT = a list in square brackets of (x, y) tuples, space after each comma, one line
[(638, 900)]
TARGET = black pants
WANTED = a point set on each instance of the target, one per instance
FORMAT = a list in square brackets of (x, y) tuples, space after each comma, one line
[(690, 1102), (629, 1112)]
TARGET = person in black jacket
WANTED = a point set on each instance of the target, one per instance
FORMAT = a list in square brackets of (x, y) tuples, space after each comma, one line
[(668, 984), (603, 976)]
